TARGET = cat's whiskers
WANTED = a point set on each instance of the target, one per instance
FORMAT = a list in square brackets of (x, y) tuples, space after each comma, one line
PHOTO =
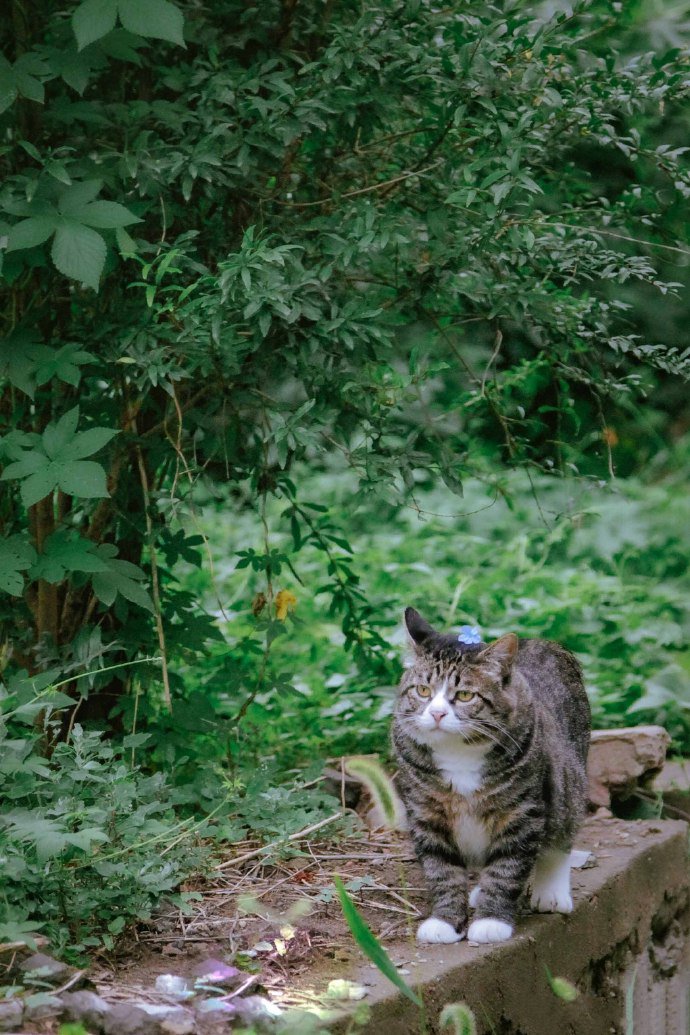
[(501, 730), (475, 727)]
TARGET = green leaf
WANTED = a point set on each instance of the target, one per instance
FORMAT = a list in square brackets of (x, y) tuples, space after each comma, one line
[(120, 577), (370, 945), (8, 86), (86, 837), (56, 436), (29, 233), (87, 443), (37, 486), (78, 196), (92, 20), (47, 836), (30, 463), (20, 356), (107, 215), (63, 363), (16, 555), (79, 253), (157, 19), (125, 243), (63, 553), (83, 478)]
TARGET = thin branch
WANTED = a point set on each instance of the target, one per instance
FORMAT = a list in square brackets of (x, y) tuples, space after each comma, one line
[(155, 587), (283, 840), (361, 190)]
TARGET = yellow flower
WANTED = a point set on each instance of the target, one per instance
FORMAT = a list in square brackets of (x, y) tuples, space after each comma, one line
[(285, 601)]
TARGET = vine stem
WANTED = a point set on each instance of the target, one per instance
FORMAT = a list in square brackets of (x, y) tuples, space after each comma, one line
[(155, 585)]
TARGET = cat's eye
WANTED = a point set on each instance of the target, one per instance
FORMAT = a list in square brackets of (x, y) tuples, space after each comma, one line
[(424, 691), (464, 696)]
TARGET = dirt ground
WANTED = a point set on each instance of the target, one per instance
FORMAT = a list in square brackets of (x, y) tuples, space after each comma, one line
[(283, 921), (282, 925)]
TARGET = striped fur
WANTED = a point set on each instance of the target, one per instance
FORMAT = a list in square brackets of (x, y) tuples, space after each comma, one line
[(497, 780)]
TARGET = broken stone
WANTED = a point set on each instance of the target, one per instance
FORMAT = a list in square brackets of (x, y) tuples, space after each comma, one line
[(211, 1006), (182, 1023), (11, 1013), (86, 1007), (620, 760), (257, 1008), (45, 967), (215, 972), (172, 1020), (41, 1005), (128, 1019), (173, 985)]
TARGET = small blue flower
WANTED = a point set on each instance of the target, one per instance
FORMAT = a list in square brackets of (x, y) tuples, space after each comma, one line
[(469, 634)]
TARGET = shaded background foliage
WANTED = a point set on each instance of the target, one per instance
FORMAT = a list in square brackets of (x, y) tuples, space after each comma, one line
[(277, 278)]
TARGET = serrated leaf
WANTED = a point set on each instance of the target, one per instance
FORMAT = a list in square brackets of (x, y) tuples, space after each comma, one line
[(106, 215), (29, 233), (62, 363), (28, 86), (125, 243), (156, 19), (46, 835), (56, 436), (16, 555), (120, 577), (30, 463), (79, 253), (83, 478), (92, 20), (86, 837), (64, 553), (86, 443), (37, 486), (78, 196), (20, 355)]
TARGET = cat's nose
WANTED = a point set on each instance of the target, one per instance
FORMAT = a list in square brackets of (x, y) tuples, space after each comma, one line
[(438, 713)]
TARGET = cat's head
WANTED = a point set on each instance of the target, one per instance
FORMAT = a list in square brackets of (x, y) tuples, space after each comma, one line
[(454, 689)]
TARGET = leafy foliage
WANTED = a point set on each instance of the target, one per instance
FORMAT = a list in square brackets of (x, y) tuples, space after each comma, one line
[(303, 264)]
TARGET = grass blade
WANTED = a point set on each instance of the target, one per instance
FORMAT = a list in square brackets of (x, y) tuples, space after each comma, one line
[(381, 788), (370, 945)]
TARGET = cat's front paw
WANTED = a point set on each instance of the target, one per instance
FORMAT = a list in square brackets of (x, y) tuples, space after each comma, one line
[(489, 930), (547, 900), (435, 930)]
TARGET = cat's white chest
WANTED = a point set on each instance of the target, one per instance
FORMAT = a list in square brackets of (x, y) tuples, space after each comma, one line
[(472, 838), (462, 765)]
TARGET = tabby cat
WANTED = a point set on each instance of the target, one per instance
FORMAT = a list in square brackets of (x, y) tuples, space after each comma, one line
[(491, 743)]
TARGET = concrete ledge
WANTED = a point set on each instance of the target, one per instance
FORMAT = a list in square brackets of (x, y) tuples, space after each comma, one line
[(626, 940)]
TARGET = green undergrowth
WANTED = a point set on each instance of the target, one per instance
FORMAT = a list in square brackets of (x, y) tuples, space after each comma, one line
[(95, 831), (599, 567)]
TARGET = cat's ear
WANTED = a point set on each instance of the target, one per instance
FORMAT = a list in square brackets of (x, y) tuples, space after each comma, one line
[(502, 651), (419, 629)]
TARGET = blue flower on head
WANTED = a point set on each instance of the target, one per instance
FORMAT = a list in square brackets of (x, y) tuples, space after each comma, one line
[(469, 634)]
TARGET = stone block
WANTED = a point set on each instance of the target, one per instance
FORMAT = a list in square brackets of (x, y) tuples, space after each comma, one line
[(622, 759)]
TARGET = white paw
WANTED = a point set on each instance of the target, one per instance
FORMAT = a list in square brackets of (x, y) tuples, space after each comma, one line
[(489, 930), (551, 883), (547, 900), (435, 930), (475, 895)]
